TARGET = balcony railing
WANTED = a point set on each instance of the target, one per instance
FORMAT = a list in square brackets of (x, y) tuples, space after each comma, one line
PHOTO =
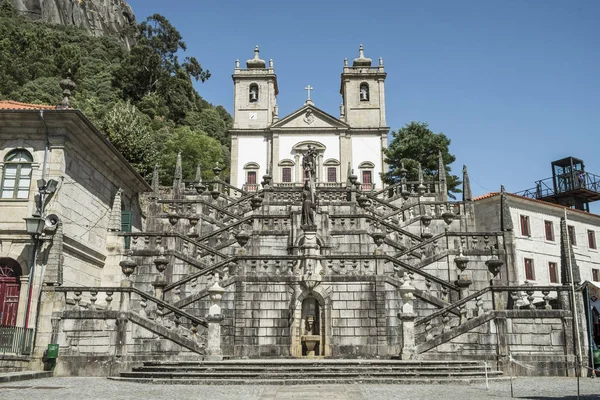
[(564, 183), (250, 187), (15, 340)]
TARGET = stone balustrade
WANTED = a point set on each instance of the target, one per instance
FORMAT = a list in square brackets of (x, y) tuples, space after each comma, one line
[(128, 299), (492, 298)]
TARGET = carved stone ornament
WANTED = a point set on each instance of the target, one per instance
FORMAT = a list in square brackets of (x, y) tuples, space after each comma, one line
[(309, 118)]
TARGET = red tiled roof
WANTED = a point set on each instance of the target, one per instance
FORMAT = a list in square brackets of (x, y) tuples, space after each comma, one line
[(493, 194), (15, 105), (486, 196)]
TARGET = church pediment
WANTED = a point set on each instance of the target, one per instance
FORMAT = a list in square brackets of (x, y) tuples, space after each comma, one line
[(309, 117)]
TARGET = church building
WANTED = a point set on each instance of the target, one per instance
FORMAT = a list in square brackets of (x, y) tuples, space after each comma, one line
[(262, 142)]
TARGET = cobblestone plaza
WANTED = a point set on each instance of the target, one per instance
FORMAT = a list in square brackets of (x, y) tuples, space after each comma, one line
[(95, 388)]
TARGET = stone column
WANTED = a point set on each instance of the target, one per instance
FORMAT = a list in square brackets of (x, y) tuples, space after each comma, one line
[(22, 300), (298, 175), (407, 316), (214, 318), (276, 173), (320, 176)]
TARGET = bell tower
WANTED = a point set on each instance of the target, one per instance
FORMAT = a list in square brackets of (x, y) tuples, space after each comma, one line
[(255, 100), (363, 94)]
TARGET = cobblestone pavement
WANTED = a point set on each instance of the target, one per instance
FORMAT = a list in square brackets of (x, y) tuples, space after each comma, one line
[(104, 389)]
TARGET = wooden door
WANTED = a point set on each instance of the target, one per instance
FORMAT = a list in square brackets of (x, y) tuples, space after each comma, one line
[(9, 295)]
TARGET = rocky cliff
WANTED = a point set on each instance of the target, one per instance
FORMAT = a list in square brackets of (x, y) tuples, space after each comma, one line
[(99, 17)]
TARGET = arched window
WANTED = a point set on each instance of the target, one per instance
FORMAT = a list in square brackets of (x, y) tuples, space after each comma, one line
[(364, 91), (332, 167), (16, 175), (253, 93), (251, 170), (286, 170), (366, 175)]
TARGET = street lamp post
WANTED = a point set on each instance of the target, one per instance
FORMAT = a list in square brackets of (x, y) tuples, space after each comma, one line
[(34, 226)]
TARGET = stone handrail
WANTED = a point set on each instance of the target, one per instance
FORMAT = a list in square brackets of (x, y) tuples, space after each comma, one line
[(208, 249), (183, 203), (466, 235), (206, 271), (430, 187), (379, 220), (109, 291), (421, 273), (522, 297), (452, 306)]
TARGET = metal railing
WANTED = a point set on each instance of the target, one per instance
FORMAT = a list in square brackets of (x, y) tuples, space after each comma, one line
[(564, 183), (15, 340)]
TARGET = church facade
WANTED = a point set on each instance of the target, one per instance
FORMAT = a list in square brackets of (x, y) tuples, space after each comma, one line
[(262, 142)]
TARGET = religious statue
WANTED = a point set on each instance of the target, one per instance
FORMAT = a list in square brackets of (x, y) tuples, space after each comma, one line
[(309, 160), (308, 207)]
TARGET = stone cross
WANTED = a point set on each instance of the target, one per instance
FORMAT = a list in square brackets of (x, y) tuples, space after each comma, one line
[(308, 89)]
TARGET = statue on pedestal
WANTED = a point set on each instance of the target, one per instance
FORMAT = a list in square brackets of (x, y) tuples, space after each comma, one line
[(309, 161), (308, 207)]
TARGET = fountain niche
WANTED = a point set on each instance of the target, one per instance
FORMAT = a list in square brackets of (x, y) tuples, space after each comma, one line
[(311, 328)]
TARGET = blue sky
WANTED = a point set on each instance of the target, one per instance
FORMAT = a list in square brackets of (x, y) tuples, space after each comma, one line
[(514, 83)]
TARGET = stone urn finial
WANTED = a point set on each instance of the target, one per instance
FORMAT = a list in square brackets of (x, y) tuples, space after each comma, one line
[(256, 202), (128, 265), (242, 237), (494, 264), (68, 86), (216, 294)]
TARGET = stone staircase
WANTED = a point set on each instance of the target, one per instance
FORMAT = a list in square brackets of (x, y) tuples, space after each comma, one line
[(309, 371)]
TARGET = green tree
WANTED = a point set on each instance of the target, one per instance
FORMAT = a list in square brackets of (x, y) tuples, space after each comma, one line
[(129, 131), (210, 121), (415, 143), (153, 65), (139, 99), (196, 148), (45, 90)]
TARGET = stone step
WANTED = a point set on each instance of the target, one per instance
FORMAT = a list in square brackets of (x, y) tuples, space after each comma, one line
[(309, 381), (6, 377), (314, 362), (307, 374), (311, 369), (298, 371)]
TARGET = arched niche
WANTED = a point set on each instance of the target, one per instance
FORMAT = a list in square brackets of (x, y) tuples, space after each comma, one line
[(317, 302)]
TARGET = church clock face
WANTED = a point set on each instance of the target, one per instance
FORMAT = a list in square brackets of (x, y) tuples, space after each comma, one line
[(252, 116)]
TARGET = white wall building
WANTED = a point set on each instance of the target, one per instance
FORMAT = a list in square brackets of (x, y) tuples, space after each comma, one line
[(261, 142), (536, 228)]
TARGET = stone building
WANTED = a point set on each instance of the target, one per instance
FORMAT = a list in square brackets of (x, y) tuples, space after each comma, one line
[(535, 227), (307, 268), (57, 167)]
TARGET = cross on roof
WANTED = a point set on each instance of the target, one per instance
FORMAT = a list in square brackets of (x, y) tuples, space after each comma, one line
[(308, 89)]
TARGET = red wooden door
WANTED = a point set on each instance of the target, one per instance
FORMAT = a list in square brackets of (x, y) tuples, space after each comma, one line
[(9, 301), (9, 292)]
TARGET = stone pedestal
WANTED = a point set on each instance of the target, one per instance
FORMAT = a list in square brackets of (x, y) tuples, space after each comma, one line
[(214, 318), (159, 286), (407, 316), (409, 348), (213, 346)]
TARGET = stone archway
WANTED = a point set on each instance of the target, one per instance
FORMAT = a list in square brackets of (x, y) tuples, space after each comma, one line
[(315, 303)]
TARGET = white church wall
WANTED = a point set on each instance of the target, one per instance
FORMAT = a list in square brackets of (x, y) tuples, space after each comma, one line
[(331, 143), (251, 149), (367, 148)]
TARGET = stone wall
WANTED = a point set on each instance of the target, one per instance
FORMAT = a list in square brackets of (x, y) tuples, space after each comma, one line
[(262, 318), (539, 341)]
